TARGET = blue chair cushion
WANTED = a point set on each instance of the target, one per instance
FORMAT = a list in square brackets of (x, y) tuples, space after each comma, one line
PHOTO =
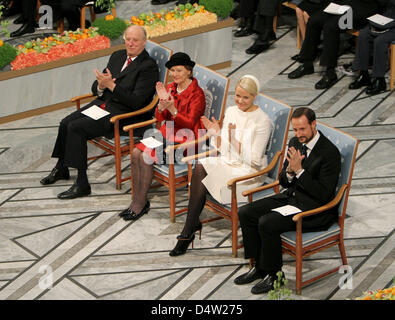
[(124, 140), (179, 169), (309, 238)]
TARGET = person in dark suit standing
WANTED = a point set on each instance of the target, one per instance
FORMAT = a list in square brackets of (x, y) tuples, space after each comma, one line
[(126, 85), (27, 18), (310, 174), (328, 24)]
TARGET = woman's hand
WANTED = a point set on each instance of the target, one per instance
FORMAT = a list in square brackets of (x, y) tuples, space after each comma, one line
[(212, 126), (161, 91)]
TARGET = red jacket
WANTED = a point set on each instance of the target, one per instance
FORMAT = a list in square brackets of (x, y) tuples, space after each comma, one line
[(190, 105)]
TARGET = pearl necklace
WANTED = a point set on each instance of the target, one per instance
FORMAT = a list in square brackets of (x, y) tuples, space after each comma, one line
[(182, 90)]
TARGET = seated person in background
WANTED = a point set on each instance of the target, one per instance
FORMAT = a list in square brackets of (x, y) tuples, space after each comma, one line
[(309, 174), (183, 104), (27, 18), (126, 85), (381, 36), (263, 25), (329, 25), (69, 9), (242, 144), (247, 10), (303, 12)]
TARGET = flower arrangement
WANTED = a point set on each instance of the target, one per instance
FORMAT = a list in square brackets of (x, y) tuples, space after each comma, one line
[(110, 26), (222, 8), (7, 53), (55, 47), (182, 17), (381, 294)]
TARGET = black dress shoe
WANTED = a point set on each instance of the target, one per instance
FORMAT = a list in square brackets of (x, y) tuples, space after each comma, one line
[(182, 245), (267, 284), (360, 81), (244, 32), (156, 2), (19, 20), (258, 47), (248, 277), (326, 81), (55, 175), (378, 86), (301, 71), (26, 28), (75, 191), (128, 214)]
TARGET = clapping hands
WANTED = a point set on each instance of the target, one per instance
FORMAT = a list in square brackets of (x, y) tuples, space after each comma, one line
[(212, 126), (105, 80), (165, 98)]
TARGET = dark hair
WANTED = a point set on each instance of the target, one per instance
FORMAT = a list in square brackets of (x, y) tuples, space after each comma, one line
[(190, 68), (310, 114)]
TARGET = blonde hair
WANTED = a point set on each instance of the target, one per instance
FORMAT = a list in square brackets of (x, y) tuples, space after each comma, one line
[(250, 84)]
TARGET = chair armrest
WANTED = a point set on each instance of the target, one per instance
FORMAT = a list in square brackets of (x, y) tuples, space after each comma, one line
[(258, 173), (261, 188), (147, 108), (139, 125), (199, 155), (335, 201), (186, 144), (84, 96)]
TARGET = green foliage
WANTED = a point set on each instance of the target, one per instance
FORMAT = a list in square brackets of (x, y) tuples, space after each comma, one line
[(106, 4), (280, 291), (112, 29), (7, 54), (4, 23), (221, 8)]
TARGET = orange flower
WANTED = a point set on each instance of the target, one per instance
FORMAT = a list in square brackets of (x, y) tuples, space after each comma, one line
[(109, 17), (1, 43)]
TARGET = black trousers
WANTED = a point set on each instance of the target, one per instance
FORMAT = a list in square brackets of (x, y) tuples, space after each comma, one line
[(328, 24), (369, 43), (261, 229), (247, 8), (74, 132)]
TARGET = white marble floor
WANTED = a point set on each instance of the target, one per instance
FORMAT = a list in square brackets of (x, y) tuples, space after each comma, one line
[(80, 249)]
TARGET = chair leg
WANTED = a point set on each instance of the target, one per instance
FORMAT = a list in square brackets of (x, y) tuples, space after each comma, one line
[(343, 252), (60, 27), (82, 21), (235, 225), (172, 193), (392, 66)]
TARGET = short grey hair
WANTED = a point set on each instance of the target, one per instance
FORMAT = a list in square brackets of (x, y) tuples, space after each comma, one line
[(140, 27)]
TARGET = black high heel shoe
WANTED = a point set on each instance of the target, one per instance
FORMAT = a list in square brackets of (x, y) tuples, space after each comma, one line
[(182, 245), (199, 228)]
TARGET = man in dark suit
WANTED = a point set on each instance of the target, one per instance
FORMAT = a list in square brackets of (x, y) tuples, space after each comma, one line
[(310, 174), (126, 85), (329, 25)]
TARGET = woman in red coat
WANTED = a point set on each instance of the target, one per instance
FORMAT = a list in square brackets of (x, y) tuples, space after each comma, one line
[(180, 108)]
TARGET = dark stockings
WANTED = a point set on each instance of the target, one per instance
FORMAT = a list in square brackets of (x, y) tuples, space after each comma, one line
[(142, 174), (196, 201)]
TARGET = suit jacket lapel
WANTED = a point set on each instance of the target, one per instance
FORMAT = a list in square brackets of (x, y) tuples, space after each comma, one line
[(133, 65), (314, 153)]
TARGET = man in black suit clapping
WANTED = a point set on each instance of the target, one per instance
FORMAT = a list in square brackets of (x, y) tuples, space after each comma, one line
[(310, 174), (126, 85)]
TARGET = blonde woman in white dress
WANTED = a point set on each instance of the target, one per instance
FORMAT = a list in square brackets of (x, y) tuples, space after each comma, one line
[(241, 146)]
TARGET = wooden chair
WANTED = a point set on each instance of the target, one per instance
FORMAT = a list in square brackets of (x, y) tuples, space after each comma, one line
[(175, 175), (88, 6), (280, 114), (119, 145), (301, 245), (392, 65)]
